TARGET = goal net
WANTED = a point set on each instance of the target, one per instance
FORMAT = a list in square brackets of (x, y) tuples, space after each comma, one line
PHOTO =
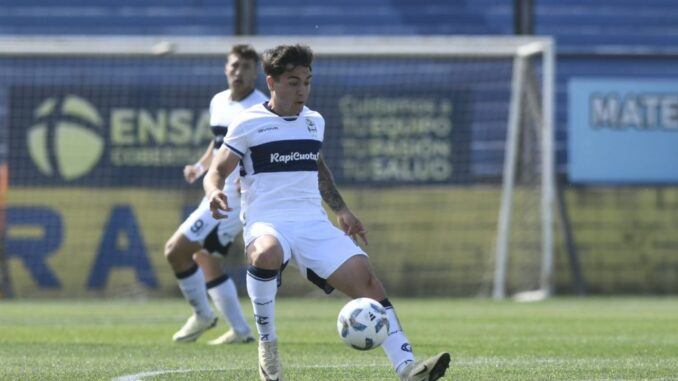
[(441, 145)]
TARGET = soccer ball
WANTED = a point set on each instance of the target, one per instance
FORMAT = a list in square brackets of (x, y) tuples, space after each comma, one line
[(363, 324)]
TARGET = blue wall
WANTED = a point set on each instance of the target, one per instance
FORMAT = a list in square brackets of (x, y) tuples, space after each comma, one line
[(589, 34)]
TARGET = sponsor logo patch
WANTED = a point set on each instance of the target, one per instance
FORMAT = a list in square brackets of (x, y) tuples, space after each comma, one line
[(293, 156)]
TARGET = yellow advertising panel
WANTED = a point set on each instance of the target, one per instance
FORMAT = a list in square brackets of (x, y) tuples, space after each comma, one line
[(80, 241)]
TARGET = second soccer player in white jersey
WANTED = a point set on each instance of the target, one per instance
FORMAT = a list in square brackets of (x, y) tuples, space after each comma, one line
[(284, 178), (192, 249)]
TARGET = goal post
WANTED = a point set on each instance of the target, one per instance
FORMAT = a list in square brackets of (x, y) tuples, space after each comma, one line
[(443, 146), (527, 110)]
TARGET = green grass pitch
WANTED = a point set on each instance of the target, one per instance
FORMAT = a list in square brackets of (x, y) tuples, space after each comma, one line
[(559, 339)]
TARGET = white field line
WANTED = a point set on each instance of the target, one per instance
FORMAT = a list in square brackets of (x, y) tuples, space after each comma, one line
[(464, 363), (142, 375)]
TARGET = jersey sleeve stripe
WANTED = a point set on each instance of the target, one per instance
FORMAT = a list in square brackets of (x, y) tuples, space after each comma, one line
[(235, 151)]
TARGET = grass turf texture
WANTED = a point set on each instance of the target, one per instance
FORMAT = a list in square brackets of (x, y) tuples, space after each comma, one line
[(559, 339)]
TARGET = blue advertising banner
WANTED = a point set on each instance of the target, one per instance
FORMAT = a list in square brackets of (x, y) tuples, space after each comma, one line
[(623, 131), (106, 136), (384, 139)]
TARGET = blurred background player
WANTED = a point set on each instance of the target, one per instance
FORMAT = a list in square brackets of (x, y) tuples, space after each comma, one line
[(192, 250), (284, 179)]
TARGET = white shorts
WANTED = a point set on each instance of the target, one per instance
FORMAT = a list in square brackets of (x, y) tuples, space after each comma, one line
[(214, 235), (317, 247)]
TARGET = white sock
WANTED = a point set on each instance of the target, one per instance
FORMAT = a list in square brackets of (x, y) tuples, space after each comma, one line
[(262, 286), (225, 297), (397, 346), (192, 285)]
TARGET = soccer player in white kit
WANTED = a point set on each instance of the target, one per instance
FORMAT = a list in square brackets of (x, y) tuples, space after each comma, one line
[(284, 178), (192, 249)]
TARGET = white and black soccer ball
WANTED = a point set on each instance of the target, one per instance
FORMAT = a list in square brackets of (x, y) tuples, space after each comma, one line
[(363, 324)]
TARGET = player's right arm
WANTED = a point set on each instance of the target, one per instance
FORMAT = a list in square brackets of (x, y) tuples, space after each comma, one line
[(222, 165)]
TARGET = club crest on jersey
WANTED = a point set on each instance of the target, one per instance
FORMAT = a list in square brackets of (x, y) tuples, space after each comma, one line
[(312, 129)]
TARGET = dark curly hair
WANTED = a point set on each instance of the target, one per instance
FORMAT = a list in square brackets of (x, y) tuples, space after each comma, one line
[(284, 58)]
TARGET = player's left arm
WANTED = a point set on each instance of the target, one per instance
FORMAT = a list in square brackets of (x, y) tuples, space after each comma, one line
[(348, 222), (194, 171)]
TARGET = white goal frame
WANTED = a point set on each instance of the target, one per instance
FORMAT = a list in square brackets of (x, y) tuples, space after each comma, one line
[(520, 66), (520, 48)]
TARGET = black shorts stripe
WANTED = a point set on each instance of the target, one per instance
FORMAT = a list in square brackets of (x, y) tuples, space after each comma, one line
[(213, 245)]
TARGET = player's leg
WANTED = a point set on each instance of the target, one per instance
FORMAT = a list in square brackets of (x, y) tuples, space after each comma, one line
[(224, 295), (179, 251), (266, 253), (356, 278), (191, 280), (337, 262), (220, 286)]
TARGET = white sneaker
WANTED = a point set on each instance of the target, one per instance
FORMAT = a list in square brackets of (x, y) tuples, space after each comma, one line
[(231, 337), (428, 370), (269, 362), (193, 328)]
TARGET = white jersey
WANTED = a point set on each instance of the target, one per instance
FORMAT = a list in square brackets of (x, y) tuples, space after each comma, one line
[(279, 168), (223, 111)]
